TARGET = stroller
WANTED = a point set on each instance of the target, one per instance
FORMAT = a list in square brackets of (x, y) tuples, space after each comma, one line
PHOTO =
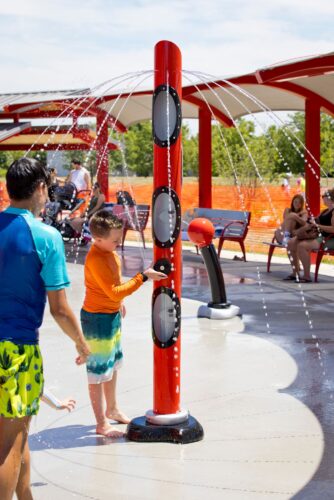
[(65, 198)]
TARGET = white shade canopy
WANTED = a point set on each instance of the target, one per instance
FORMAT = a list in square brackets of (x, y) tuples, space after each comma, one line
[(281, 87)]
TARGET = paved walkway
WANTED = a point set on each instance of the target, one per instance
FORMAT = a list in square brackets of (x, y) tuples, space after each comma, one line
[(261, 386)]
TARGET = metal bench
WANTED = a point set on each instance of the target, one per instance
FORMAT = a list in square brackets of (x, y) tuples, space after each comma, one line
[(273, 244), (230, 225), (319, 254), (134, 218)]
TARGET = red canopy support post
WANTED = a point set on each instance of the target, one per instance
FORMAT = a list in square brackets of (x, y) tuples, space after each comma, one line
[(205, 159), (102, 154), (312, 164), (167, 421)]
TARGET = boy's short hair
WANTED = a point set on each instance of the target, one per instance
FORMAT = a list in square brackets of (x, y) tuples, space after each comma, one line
[(23, 177), (102, 222)]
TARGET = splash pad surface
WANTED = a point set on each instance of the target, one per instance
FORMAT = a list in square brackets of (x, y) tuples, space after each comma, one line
[(258, 397)]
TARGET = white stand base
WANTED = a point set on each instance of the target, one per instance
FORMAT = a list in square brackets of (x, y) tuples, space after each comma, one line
[(211, 313), (169, 419)]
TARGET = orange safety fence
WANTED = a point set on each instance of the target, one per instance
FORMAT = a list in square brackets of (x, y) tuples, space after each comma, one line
[(266, 205), (256, 200)]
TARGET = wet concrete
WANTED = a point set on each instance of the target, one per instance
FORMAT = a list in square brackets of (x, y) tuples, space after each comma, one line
[(262, 387)]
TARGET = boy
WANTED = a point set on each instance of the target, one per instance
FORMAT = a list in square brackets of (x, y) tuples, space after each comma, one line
[(32, 265), (101, 317)]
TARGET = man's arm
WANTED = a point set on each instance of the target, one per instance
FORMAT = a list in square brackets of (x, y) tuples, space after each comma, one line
[(64, 316)]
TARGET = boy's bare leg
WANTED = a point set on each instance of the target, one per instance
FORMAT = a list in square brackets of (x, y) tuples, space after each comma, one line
[(102, 425), (23, 491), (112, 411), (13, 439)]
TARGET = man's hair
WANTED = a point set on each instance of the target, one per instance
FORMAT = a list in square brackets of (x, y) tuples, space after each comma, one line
[(102, 222), (23, 177), (76, 161)]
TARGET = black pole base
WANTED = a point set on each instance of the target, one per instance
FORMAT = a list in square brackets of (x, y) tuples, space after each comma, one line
[(189, 431), (221, 305)]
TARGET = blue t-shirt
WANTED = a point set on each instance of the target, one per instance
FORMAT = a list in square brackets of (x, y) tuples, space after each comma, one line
[(32, 261)]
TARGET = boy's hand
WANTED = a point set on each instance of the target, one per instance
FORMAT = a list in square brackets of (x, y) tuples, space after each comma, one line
[(123, 310), (67, 404), (155, 275), (83, 351)]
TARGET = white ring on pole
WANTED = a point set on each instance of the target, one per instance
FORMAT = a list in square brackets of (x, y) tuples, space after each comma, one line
[(167, 419)]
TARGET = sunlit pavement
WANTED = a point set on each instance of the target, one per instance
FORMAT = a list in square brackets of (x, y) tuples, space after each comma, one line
[(261, 387)]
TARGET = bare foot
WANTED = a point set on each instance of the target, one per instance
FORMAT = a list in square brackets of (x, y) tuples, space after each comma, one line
[(109, 431), (118, 416)]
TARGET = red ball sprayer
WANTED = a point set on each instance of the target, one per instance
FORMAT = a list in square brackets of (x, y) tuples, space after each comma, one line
[(201, 232)]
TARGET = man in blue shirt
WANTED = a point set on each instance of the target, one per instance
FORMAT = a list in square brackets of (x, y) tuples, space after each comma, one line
[(32, 267)]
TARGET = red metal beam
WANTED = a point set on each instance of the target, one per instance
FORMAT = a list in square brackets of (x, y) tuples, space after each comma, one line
[(203, 105), (69, 108), (239, 80), (30, 115), (310, 67), (50, 147), (303, 92), (84, 136), (109, 98), (111, 120), (51, 130)]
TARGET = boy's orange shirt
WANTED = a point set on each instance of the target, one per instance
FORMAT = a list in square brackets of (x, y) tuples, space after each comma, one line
[(104, 290)]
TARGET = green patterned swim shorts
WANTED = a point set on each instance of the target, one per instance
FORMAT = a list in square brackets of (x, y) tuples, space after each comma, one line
[(21, 379)]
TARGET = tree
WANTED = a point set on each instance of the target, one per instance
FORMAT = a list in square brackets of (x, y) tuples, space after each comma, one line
[(8, 157), (138, 151), (190, 152), (289, 140), (327, 145)]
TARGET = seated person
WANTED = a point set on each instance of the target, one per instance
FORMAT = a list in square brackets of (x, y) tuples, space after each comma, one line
[(96, 203), (293, 218), (299, 250)]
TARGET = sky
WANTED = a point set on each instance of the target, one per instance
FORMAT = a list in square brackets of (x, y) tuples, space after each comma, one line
[(67, 44)]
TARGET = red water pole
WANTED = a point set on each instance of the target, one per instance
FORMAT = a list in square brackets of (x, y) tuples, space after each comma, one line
[(166, 421), (167, 183)]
